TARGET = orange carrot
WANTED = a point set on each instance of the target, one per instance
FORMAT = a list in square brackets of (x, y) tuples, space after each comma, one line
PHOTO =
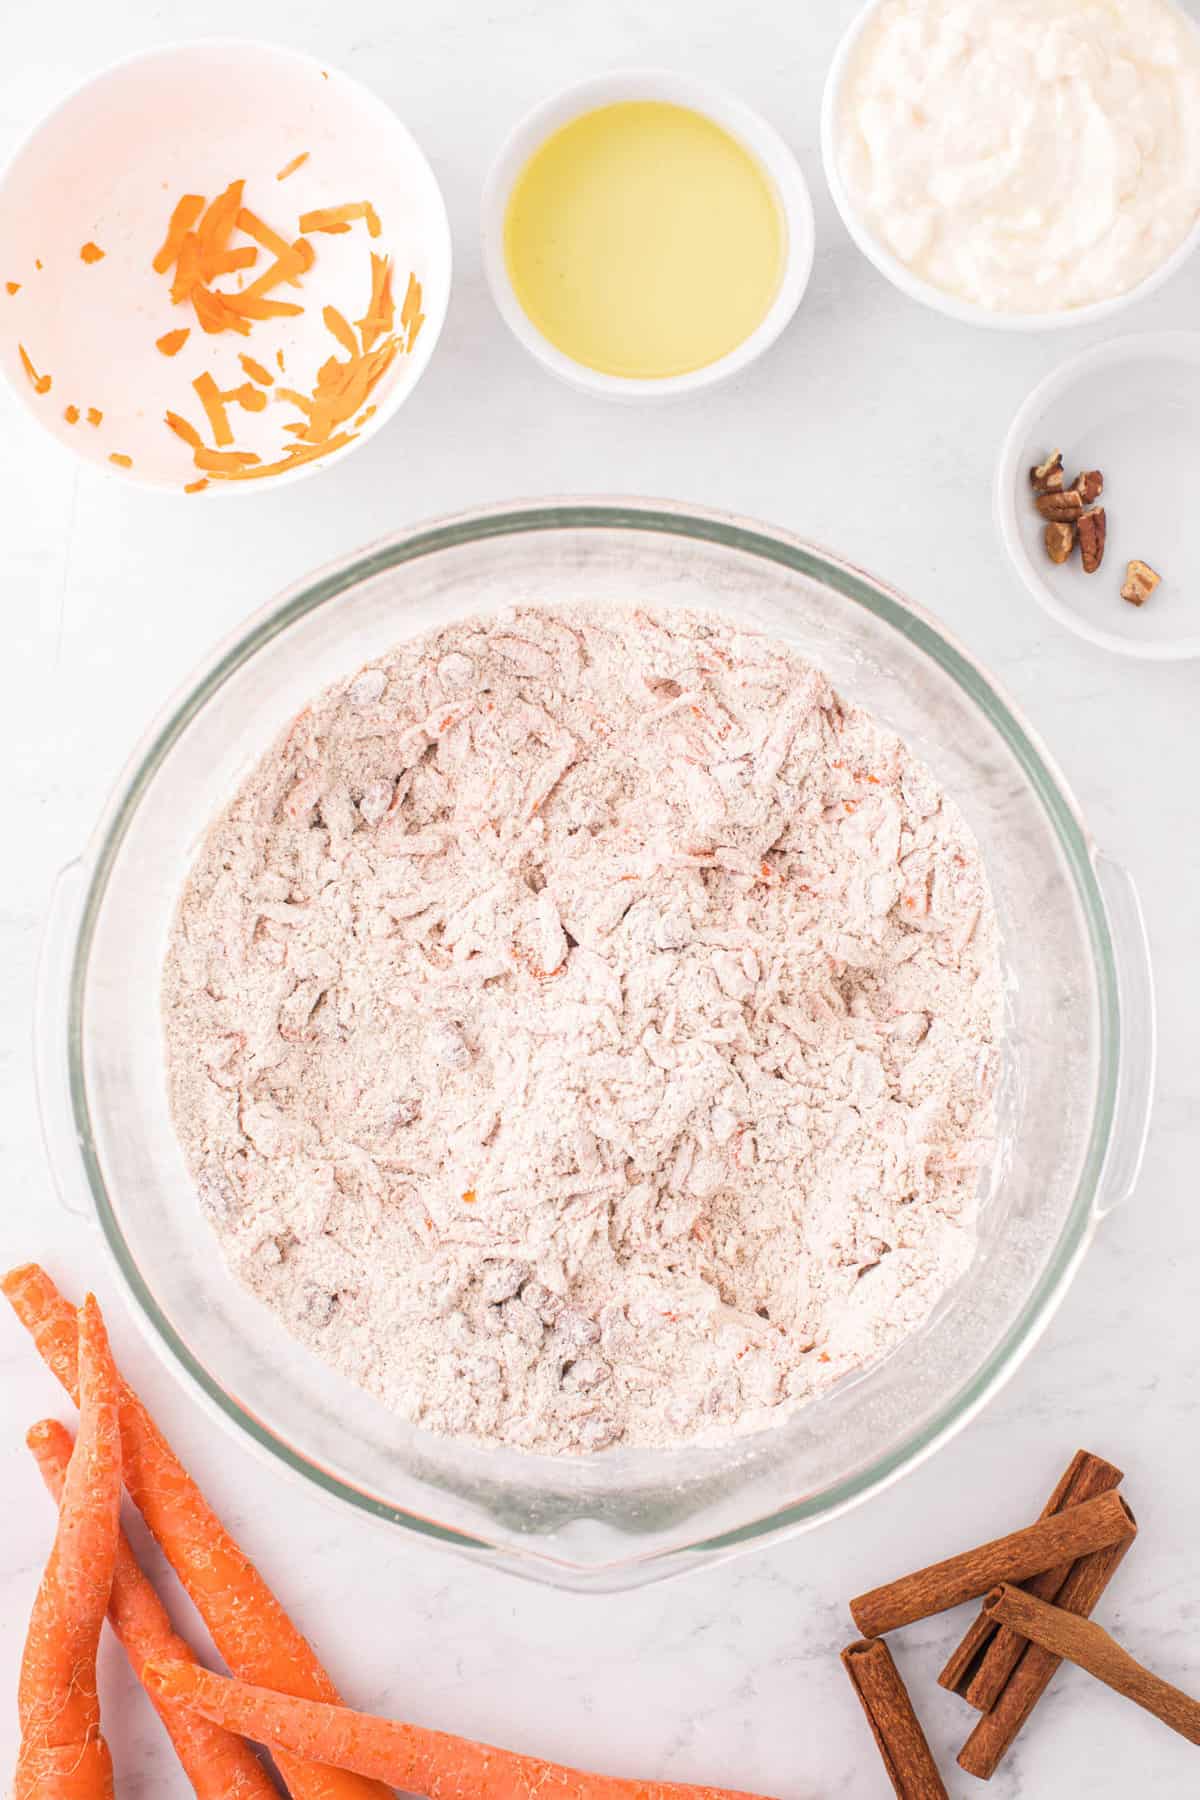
[(71, 415), (122, 461), (172, 342), (247, 1623), (291, 167), (255, 370), (182, 219), (195, 487), (230, 261), (338, 218), (380, 315), (40, 383), (218, 1765), (188, 270), (91, 253), (214, 405), (184, 429), (432, 1763), (215, 312), (13, 287), (221, 462), (339, 325), (62, 1754), (217, 224), (250, 306), (94, 415)]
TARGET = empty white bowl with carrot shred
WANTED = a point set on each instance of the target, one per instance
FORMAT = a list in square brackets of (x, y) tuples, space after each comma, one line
[(223, 265)]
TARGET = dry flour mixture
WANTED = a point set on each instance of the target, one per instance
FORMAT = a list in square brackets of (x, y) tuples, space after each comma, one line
[(581, 1027)]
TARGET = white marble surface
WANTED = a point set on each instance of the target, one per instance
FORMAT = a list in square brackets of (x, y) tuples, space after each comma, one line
[(873, 427)]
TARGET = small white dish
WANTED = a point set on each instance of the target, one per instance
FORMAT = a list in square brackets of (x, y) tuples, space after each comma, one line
[(1130, 408), (902, 277), (735, 117), (108, 165)]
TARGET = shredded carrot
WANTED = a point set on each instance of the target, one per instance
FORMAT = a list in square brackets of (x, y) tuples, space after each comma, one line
[(433, 1763), (122, 461), (183, 429), (279, 360), (217, 1763), (413, 329), (71, 415), (248, 1625), (251, 398), (250, 306), (469, 1197), (290, 168), (299, 453), (363, 416), (341, 329), (94, 415), (172, 342), (188, 269), (221, 462), (40, 383), (262, 233), (217, 224), (182, 219), (214, 406), (380, 316), (14, 287), (62, 1752), (216, 312), (196, 487), (339, 218), (37, 262), (91, 253), (412, 302), (255, 370), (230, 261)]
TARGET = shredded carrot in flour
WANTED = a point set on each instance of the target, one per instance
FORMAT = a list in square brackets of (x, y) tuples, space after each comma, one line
[(71, 415), (255, 370), (290, 168), (172, 342), (14, 287), (122, 462), (94, 415), (91, 253), (214, 405), (340, 218), (182, 220)]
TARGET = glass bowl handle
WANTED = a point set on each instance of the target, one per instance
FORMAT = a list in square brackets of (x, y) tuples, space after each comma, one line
[(1139, 1043), (50, 1062)]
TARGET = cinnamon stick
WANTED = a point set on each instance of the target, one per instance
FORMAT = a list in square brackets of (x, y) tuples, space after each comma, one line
[(996, 1732), (1060, 1538), (896, 1727), (1090, 1647), (979, 1667)]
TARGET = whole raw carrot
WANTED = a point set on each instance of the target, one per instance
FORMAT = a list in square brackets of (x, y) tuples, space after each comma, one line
[(62, 1754), (218, 1765), (432, 1763), (248, 1625)]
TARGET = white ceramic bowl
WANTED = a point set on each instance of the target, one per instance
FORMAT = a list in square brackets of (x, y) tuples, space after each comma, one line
[(901, 276), (735, 117), (1130, 408), (108, 165)]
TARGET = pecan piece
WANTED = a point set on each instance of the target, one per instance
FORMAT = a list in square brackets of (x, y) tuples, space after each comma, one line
[(1140, 583), (1089, 485), (1060, 540), (1093, 529), (1047, 477), (1061, 506)]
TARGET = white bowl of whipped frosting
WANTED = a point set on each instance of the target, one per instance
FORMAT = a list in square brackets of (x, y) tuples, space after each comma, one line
[(1026, 164)]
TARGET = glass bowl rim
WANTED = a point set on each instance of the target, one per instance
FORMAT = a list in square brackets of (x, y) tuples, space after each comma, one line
[(699, 525)]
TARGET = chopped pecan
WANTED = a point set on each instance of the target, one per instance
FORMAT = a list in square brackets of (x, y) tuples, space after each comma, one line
[(1065, 505), (1047, 477), (1093, 530), (1089, 485), (1060, 540), (1140, 583)]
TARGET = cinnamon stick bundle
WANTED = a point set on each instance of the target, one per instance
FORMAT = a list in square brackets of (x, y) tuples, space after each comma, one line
[(1090, 1647), (1060, 1538), (978, 1669), (896, 1727), (996, 1732)]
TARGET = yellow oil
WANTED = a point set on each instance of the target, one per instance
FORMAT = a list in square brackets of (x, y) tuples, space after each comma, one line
[(643, 240)]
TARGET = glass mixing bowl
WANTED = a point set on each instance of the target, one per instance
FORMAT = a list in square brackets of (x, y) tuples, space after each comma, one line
[(1078, 1066)]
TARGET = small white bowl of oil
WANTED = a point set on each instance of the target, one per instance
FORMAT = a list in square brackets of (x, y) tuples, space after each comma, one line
[(646, 234)]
